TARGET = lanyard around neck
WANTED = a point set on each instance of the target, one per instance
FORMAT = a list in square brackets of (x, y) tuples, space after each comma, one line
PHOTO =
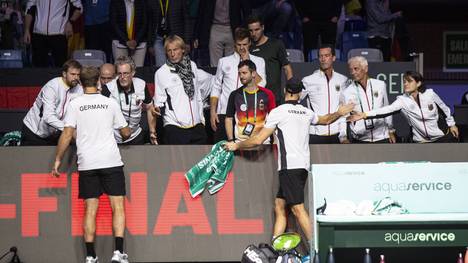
[(365, 94), (164, 12), (247, 107), (129, 107)]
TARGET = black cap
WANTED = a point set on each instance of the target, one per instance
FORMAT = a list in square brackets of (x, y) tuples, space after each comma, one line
[(294, 86)]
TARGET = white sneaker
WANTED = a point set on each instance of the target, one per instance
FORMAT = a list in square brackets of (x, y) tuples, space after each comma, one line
[(119, 257), (90, 259)]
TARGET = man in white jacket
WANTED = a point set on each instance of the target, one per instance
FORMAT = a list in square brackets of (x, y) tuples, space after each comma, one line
[(227, 80), (178, 97), (367, 94), (44, 121), (52, 26), (322, 96)]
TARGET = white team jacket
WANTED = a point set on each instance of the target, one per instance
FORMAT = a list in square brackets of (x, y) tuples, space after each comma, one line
[(52, 15), (46, 115), (169, 93), (323, 97), (374, 97), (227, 78), (423, 117), (131, 111)]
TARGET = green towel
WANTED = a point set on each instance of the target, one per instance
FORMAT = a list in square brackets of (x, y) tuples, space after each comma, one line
[(212, 170)]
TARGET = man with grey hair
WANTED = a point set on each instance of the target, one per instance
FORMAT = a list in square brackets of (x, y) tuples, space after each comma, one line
[(132, 96), (367, 94)]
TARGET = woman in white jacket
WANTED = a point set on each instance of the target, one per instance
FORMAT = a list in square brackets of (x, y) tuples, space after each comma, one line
[(420, 107)]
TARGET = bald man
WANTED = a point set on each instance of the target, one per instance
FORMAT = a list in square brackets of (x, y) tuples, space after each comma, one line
[(107, 73)]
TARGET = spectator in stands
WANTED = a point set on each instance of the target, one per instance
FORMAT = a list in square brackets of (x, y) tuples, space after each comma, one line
[(248, 105), (10, 25), (129, 22), (52, 25), (97, 31), (107, 74), (465, 98), (319, 18), (44, 121), (274, 54), (178, 97), (166, 17), (322, 96), (379, 21), (420, 106), (275, 14), (227, 80), (133, 97), (367, 94), (216, 25)]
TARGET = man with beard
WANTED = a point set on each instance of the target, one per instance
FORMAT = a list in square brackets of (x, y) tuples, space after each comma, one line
[(249, 105), (322, 96), (273, 52), (227, 80), (44, 121)]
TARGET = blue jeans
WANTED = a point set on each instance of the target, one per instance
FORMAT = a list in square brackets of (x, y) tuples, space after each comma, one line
[(159, 52)]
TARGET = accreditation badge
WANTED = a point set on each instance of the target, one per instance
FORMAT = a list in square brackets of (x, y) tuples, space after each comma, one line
[(249, 128)]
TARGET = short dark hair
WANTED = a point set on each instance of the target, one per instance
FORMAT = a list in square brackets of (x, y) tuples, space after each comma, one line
[(254, 19), (249, 63), (89, 76), (241, 33), (417, 77), (71, 63), (330, 46)]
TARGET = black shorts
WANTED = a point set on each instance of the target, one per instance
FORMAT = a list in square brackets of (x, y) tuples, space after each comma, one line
[(291, 185), (93, 183)]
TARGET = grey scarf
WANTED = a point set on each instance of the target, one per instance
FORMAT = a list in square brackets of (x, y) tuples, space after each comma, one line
[(184, 70)]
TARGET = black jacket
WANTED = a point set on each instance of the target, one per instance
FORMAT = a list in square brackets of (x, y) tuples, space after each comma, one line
[(239, 10), (177, 19), (319, 10), (118, 21)]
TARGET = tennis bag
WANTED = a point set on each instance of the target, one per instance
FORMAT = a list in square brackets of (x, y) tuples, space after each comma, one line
[(264, 253)]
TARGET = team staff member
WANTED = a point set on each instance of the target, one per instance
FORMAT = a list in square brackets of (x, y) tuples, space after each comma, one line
[(367, 94), (107, 73), (132, 95), (94, 117), (322, 95), (227, 80), (249, 105), (273, 52), (44, 121), (420, 108), (291, 121), (178, 96)]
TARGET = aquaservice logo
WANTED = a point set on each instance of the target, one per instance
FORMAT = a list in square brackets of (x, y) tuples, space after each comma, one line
[(401, 237)]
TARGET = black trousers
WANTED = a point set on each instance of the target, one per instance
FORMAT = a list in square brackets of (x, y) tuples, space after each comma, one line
[(220, 133), (317, 139), (364, 142), (447, 138), (29, 138), (98, 37), (384, 44), (313, 29), (138, 140), (176, 136), (42, 45)]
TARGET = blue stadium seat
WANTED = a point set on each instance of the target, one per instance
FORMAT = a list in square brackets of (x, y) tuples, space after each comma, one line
[(313, 55), (351, 40), (371, 54), (355, 24), (295, 55), (10, 58), (90, 57)]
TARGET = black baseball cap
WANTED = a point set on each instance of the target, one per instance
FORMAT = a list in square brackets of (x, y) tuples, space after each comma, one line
[(294, 86)]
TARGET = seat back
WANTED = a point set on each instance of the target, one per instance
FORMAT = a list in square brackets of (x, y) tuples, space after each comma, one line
[(90, 57), (11, 58), (371, 54), (295, 55)]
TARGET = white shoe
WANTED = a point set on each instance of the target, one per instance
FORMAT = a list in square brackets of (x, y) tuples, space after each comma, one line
[(119, 257), (90, 259)]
